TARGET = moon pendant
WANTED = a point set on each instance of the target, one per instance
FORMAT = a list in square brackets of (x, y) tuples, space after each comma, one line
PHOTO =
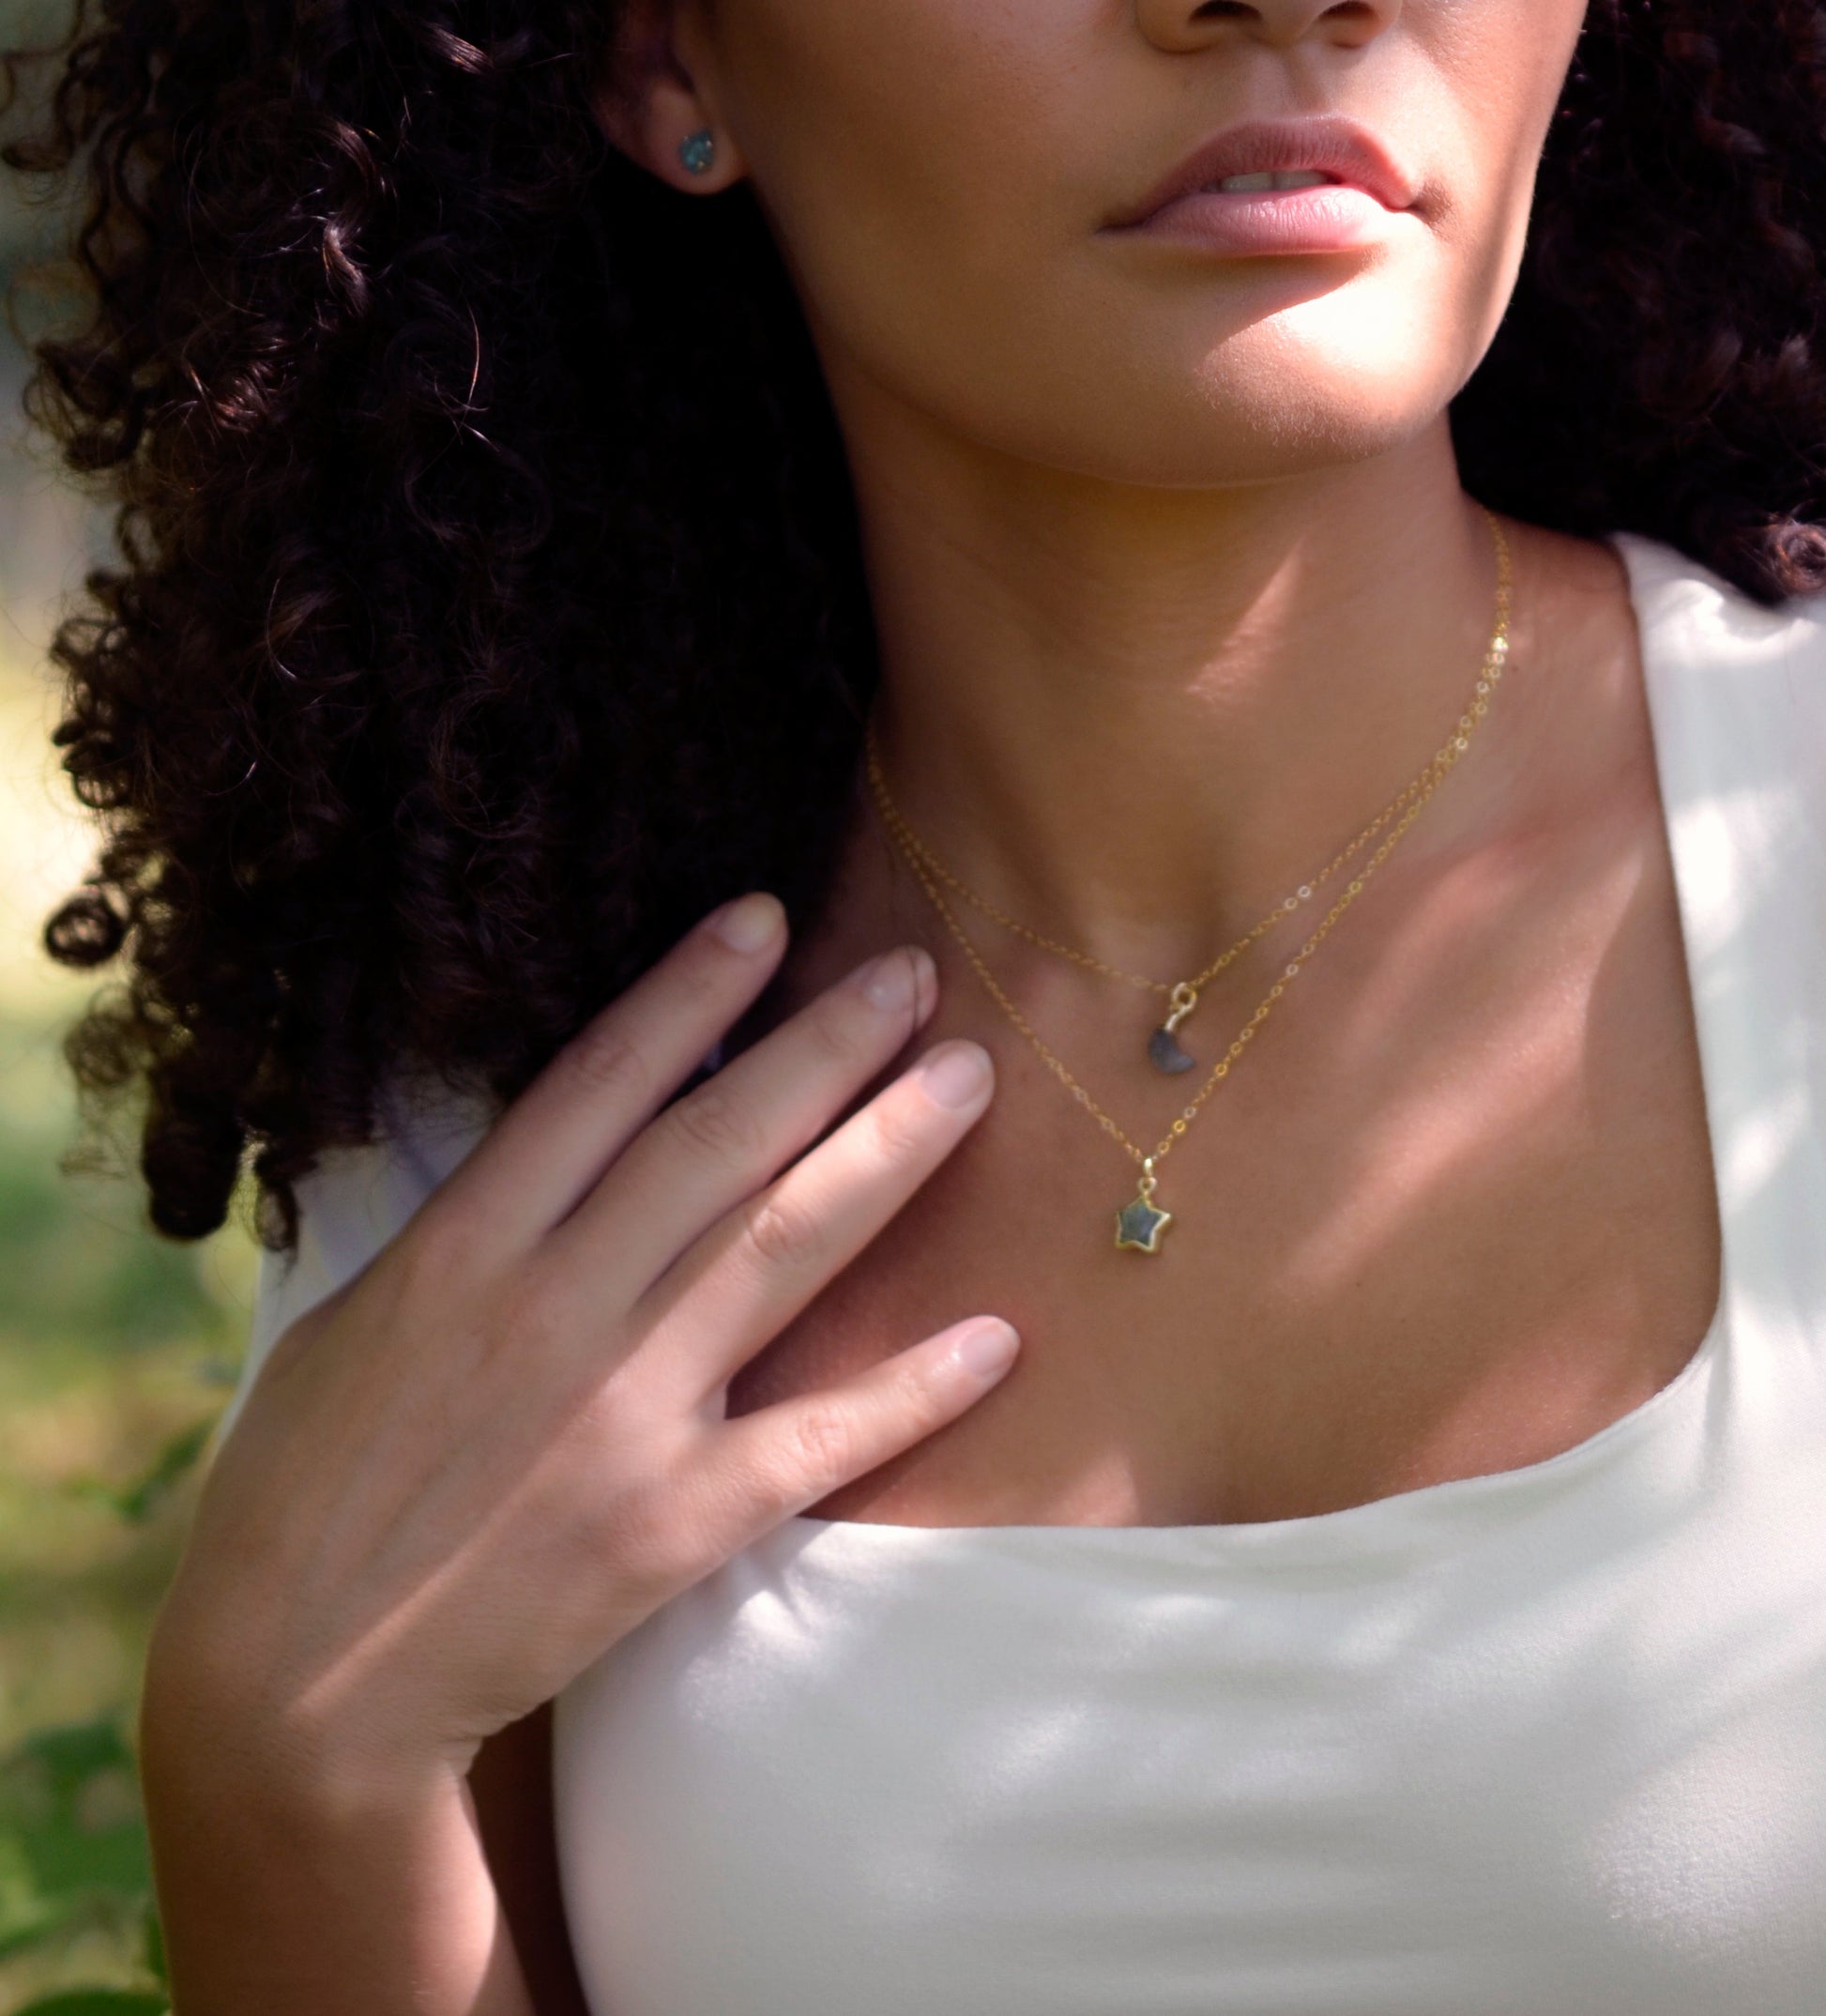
[(1166, 1055)]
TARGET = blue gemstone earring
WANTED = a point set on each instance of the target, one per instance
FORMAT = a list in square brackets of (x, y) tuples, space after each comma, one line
[(699, 151)]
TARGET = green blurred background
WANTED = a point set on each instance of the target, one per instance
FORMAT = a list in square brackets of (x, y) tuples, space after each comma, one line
[(117, 1348)]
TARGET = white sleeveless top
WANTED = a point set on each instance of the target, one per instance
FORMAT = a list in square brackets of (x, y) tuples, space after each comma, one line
[(1547, 1743)]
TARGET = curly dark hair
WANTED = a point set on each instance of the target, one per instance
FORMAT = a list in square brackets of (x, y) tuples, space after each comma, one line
[(489, 600)]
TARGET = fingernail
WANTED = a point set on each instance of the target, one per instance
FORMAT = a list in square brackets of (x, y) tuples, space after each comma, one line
[(750, 924), (956, 1075), (928, 1001), (987, 1348), (895, 980)]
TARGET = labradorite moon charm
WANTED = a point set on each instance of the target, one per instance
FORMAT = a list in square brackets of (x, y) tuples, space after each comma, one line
[(1164, 1050), (1166, 1054)]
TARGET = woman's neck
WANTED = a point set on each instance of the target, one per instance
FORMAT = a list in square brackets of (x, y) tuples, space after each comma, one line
[(1135, 717)]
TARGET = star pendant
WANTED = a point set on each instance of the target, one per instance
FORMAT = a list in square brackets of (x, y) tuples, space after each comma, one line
[(1139, 1226)]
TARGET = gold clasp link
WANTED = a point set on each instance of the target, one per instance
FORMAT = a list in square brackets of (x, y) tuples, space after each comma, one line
[(1184, 999), (1148, 1179)]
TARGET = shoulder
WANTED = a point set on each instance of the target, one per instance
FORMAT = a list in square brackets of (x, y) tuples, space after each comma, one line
[(424, 1132), (1737, 699), (1737, 688), (358, 1198), (1693, 623)]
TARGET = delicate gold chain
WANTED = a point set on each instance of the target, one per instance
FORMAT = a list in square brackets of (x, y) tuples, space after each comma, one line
[(1417, 795), (911, 843)]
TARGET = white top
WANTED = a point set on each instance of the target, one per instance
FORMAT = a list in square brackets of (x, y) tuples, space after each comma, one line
[(1547, 1743)]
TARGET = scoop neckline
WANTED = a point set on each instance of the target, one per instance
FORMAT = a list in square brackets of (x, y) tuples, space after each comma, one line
[(1427, 1509)]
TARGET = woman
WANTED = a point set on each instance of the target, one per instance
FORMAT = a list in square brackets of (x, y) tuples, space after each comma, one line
[(999, 478)]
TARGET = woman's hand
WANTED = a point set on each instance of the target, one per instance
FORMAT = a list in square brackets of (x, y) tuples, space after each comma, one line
[(476, 1466), (482, 1462)]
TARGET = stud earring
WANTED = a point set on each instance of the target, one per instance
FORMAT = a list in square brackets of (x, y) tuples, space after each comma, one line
[(698, 151)]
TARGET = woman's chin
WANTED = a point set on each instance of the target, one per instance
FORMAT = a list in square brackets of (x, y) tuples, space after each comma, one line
[(1278, 398), (1227, 427)]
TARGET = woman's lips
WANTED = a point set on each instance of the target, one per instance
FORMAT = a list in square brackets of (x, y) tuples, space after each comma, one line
[(1328, 217), (1311, 185)]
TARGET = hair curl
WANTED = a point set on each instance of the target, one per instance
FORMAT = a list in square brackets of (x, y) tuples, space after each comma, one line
[(489, 602)]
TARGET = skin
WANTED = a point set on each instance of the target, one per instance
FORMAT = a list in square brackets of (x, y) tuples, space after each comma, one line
[(1176, 587)]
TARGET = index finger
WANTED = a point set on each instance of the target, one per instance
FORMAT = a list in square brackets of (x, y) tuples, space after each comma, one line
[(552, 1145)]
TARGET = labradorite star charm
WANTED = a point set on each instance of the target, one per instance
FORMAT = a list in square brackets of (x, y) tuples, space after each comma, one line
[(1140, 1224)]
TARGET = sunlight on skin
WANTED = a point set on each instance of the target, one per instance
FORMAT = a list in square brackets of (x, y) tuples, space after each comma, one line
[(1055, 422), (1035, 123)]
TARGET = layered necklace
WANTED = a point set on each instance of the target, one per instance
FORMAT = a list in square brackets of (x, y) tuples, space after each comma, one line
[(1140, 1222)]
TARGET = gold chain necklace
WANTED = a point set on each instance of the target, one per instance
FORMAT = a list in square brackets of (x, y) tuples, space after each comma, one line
[(1140, 1223), (1164, 1050)]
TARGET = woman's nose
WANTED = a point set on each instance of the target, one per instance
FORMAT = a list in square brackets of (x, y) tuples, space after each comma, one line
[(1187, 24)]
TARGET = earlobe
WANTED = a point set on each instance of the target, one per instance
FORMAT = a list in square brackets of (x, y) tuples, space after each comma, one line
[(675, 142), (653, 111)]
